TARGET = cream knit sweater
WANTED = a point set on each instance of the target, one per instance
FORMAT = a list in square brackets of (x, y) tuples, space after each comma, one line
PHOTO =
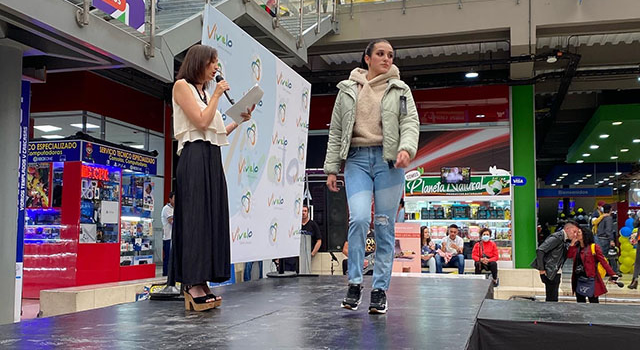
[(367, 130)]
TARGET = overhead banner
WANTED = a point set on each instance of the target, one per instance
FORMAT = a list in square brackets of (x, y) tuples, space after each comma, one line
[(265, 161), (488, 185), (129, 12), (575, 192)]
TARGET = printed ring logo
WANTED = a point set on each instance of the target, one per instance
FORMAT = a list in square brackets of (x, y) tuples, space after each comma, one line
[(282, 112), (305, 99), (301, 151), (273, 233), (297, 206), (251, 134), (220, 68), (277, 171), (256, 69), (246, 202)]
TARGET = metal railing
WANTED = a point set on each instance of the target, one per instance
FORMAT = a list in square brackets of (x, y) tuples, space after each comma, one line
[(299, 16)]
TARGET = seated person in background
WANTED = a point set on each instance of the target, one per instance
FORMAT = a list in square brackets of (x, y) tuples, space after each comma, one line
[(429, 250), (485, 255), (450, 255)]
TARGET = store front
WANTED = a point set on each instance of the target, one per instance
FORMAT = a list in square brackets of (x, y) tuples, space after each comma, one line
[(89, 214)]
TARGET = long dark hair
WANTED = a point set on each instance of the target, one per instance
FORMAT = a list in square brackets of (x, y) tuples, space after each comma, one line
[(194, 64), (587, 236), (369, 50), (422, 228)]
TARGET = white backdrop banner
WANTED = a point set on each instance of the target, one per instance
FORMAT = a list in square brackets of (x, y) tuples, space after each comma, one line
[(265, 161)]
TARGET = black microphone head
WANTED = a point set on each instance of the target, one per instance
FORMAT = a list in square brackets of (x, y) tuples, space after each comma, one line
[(219, 78)]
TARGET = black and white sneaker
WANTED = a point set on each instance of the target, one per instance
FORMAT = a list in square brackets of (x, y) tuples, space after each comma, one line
[(353, 298), (378, 302)]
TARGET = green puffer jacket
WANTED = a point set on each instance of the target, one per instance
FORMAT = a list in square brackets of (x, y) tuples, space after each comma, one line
[(399, 131)]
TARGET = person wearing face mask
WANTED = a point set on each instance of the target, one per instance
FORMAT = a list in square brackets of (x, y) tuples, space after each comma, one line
[(374, 130), (551, 255), (485, 255)]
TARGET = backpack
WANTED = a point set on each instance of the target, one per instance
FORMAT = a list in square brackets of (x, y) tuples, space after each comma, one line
[(595, 222), (601, 271)]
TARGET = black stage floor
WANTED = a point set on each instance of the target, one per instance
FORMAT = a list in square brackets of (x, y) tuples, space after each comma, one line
[(303, 312), (527, 325)]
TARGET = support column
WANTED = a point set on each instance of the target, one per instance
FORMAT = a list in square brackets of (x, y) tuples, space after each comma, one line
[(524, 164), (10, 90)]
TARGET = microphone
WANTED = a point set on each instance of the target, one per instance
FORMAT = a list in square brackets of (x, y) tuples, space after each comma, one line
[(219, 78), (333, 257)]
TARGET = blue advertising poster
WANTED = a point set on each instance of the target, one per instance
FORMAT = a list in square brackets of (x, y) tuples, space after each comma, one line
[(22, 165), (105, 155), (54, 151)]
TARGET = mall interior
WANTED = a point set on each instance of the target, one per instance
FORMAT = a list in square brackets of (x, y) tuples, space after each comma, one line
[(535, 102)]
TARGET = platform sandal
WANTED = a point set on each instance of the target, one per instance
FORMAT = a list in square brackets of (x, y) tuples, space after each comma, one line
[(197, 303), (217, 299)]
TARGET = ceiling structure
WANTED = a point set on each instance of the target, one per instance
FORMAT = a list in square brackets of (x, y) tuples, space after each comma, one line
[(595, 64)]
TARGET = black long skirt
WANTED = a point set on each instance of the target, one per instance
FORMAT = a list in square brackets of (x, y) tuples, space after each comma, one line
[(200, 249)]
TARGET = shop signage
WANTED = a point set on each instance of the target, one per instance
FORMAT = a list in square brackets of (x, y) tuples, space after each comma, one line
[(105, 155), (518, 180), (575, 192), (70, 150), (479, 186), (129, 12), (54, 151)]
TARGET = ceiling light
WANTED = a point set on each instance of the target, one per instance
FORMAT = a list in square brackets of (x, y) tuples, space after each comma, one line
[(615, 188), (137, 146), (618, 173), (616, 123), (600, 182), (553, 185), (47, 128), (558, 180), (614, 157), (586, 154), (552, 59), (471, 74), (565, 174), (576, 183), (623, 185), (610, 183), (636, 140), (604, 136), (624, 150), (580, 161), (594, 146), (580, 181), (89, 126), (52, 137), (479, 115), (588, 175)]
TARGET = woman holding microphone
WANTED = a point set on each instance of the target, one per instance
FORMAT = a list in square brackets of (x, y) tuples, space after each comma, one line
[(200, 251)]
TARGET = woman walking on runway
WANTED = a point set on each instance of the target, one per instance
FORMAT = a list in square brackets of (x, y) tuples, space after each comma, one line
[(374, 128), (200, 249)]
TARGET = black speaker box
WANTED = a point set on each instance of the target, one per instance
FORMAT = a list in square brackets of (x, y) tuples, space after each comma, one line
[(337, 222)]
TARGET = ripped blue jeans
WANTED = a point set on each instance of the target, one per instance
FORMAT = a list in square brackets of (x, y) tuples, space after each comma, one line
[(368, 175)]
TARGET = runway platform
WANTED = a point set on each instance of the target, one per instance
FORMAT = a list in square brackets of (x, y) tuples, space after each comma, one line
[(526, 325), (429, 312), (303, 312)]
